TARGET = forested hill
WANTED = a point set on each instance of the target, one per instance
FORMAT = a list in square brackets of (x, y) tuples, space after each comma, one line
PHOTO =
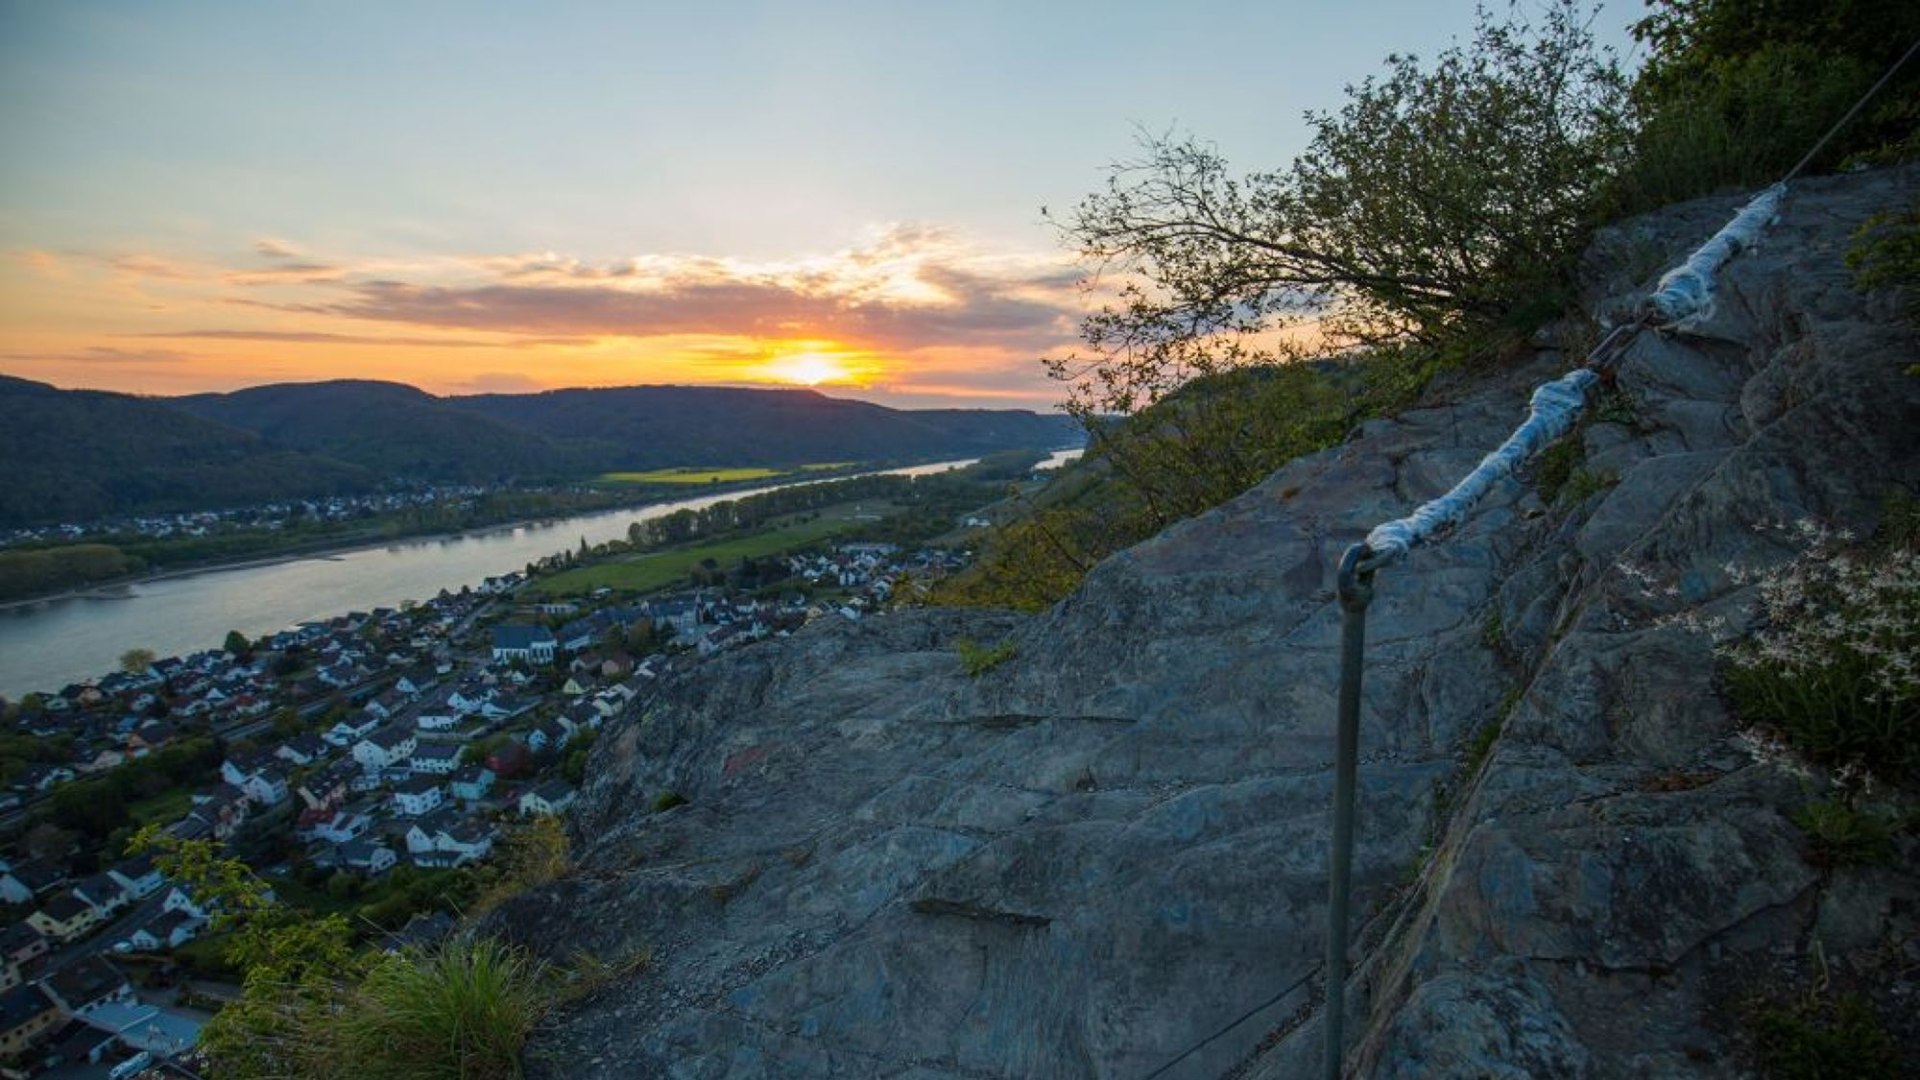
[(655, 426), (72, 455)]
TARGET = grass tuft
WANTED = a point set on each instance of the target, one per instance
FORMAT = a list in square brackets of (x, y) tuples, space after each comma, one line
[(460, 1012)]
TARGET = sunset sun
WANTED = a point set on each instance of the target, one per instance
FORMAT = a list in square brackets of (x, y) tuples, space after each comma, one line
[(813, 369)]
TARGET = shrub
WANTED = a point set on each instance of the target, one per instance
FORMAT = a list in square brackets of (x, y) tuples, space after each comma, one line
[(460, 1012), (977, 659), (1846, 835), (1836, 667), (1555, 465), (531, 855), (667, 800), (1740, 124), (1817, 1039), (1886, 254)]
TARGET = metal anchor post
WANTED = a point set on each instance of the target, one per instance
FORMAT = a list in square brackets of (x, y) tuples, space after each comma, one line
[(1355, 586)]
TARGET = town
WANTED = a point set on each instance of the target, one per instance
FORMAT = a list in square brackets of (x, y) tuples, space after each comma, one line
[(368, 764)]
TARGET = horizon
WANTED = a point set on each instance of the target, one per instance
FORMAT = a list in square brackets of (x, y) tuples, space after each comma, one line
[(216, 195), (825, 391)]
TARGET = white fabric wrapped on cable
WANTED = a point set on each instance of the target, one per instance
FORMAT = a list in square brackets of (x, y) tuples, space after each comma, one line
[(1556, 405), (1686, 291)]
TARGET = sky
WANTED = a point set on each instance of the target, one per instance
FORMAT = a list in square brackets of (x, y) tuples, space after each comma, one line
[(505, 197)]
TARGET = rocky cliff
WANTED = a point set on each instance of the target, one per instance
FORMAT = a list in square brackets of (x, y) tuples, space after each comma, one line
[(1106, 856)]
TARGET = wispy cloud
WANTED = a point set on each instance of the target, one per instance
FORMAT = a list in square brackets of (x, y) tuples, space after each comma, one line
[(155, 266), (275, 248), (99, 354), (318, 337), (292, 273), (911, 288)]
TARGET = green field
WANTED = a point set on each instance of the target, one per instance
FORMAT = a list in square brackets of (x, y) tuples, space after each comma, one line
[(161, 809), (693, 476), (660, 569)]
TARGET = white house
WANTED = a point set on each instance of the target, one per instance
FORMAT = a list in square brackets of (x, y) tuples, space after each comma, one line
[(529, 644), (341, 827), (268, 787), (472, 783), (138, 876), (420, 795), (385, 748), (438, 759), (351, 730), (371, 859), (552, 797), (440, 714), (178, 899)]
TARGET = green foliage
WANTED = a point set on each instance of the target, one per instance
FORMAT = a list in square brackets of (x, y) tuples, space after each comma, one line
[(1886, 255), (1734, 92), (459, 1012), (1820, 1039), (533, 854), (98, 805), (312, 1004), (667, 800), (1835, 668), (1555, 465), (43, 570), (1481, 746), (1742, 125), (1437, 196), (1211, 441), (1843, 834), (977, 659), (573, 768), (1584, 484)]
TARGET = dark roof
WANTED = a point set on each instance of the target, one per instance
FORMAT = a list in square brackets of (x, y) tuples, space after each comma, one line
[(358, 852), (134, 867), (86, 981), (21, 1004), (389, 737), (417, 785), (553, 790), (517, 636), (430, 751), (18, 936), (64, 907)]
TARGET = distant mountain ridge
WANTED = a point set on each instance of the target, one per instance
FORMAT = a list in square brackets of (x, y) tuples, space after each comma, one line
[(79, 454)]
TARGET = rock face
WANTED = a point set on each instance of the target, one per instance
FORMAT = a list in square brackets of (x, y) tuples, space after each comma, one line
[(1105, 857)]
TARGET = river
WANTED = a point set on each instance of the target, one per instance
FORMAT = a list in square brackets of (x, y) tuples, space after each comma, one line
[(68, 639)]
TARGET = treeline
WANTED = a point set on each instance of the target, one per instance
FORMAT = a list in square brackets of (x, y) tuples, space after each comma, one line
[(36, 572), (925, 500), (99, 807)]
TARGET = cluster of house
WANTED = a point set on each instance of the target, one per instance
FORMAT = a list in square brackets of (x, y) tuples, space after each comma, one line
[(61, 1005), (127, 715), (872, 571), (271, 517), (390, 782)]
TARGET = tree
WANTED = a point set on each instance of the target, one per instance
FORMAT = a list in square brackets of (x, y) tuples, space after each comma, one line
[(135, 661), (1437, 198), (237, 644)]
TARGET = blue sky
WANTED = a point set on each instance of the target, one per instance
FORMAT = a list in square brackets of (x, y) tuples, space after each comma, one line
[(208, 195)]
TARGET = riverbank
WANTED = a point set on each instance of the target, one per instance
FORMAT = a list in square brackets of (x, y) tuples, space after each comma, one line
[(111, 588), (80, 634)]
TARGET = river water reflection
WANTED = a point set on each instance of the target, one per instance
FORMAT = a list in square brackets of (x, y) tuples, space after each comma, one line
[(47, 645)]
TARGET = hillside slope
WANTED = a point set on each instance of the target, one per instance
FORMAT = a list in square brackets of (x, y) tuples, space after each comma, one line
[(1106, 856), (73, 455), (390, 429)]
